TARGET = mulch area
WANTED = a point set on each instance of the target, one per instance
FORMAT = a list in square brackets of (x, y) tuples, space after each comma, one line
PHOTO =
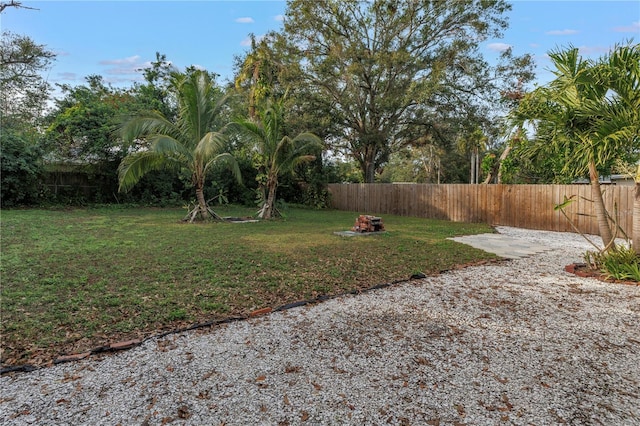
[(583, 270)]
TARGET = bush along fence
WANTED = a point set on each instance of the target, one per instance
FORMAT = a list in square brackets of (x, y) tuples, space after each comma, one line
[(522, 206)]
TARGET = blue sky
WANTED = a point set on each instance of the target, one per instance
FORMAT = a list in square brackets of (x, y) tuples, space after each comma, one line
[(116, 38)]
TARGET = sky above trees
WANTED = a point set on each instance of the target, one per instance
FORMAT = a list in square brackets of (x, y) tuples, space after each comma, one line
[(117, 38)]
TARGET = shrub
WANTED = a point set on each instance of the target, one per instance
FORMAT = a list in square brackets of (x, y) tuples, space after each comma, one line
[(20, 157), (620, 264)]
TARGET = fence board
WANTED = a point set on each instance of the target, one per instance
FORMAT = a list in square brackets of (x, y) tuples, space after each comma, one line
[(523, 206)]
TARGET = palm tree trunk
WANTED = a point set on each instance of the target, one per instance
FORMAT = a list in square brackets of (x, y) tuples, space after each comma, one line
[(601, 213), (268, 209), (202, 204), (471, 171)]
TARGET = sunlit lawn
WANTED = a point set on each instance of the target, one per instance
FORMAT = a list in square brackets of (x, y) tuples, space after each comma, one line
[(76, 279)]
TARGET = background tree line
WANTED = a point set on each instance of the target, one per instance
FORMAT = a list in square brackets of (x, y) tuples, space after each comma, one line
[(396, 90)]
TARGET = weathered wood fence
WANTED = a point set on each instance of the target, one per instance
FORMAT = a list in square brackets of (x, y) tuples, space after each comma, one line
[(522, 206)]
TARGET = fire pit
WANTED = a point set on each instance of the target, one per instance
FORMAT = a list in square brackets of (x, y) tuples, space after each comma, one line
[(367, 223)]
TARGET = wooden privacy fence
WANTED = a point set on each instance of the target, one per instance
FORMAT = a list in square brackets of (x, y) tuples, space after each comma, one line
[(522, 206)]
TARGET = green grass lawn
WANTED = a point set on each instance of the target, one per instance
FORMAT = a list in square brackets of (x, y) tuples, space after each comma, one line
[(76, 279)]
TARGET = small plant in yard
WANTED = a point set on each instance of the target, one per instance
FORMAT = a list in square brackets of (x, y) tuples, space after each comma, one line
[(620, 264)]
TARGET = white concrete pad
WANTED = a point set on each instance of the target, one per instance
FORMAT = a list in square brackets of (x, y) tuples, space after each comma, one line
[(501, 245)]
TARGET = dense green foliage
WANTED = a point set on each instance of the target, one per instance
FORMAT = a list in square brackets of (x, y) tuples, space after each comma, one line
[(21, 167)]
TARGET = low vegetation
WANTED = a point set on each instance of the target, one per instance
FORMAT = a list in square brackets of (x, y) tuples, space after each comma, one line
[(623, 263), (73, 280)]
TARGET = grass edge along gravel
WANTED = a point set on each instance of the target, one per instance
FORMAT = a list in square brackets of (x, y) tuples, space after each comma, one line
[(78, 279)]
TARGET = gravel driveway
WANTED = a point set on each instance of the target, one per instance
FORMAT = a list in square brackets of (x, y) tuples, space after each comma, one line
[(520, 342)]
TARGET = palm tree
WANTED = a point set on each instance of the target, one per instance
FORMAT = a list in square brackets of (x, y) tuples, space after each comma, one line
[(589, 111), (277, 153), (189, 143), (473, 143), (621, 70)]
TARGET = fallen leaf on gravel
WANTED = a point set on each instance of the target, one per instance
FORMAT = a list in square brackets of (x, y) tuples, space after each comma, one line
[(183, 412), (502, 380), (305, 416), (292, 369), (261, 378), (152, 402), (208, 374), (286, 400), (204, 395), (420, 360)]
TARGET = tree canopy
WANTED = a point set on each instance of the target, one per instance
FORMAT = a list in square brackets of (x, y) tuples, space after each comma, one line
[(23, 91), (391, 72)]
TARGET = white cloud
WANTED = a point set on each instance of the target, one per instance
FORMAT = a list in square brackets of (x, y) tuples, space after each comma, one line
[(534, 45), (245, 20), (498, 47), (590, 50), (562, 32), (278, 18), (67, 76), (130, 60), (633, 28), (124, 66)]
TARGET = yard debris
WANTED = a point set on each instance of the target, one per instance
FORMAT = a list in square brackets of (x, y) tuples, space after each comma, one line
[(367, 223)]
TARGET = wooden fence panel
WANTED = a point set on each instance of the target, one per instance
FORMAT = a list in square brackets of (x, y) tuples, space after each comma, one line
[(522, 206)]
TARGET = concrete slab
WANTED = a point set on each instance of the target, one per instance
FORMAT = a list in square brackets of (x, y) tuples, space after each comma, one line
[(501, 245), (357, 234)]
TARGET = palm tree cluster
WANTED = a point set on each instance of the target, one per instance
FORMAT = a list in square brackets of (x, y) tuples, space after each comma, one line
[(590, 112), (195, 141)]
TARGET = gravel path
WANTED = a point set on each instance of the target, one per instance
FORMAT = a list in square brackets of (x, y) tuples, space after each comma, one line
[(520, 342)]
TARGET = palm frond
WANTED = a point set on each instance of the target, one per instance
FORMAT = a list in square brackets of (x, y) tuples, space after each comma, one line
[(145, 124), (211, 144), (134, 166), (230, 161), (250, 130)]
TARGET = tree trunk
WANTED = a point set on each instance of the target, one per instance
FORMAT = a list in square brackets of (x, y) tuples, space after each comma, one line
[(497, 167), (268, 209), (202, 204), (477, 168), (369, 172), (601, 213), (503, 157), (471, 171), (635, 237)]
